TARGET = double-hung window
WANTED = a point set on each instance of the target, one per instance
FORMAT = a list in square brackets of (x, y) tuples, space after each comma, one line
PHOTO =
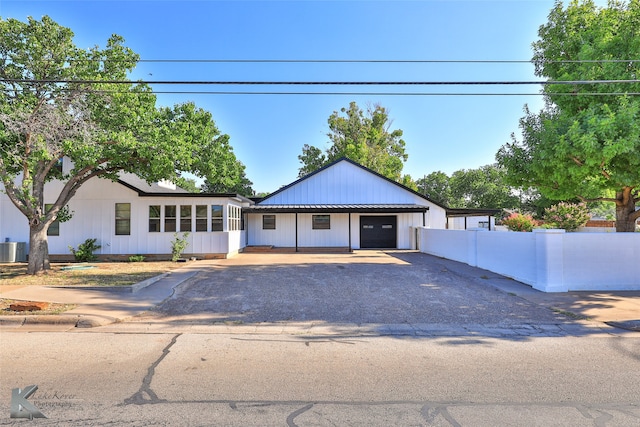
[(185, 218), (154, 218), (123, 219), (170, 218), (201, 217), (216, 218)]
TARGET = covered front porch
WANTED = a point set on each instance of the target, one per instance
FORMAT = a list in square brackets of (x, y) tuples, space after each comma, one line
[(301, 228)]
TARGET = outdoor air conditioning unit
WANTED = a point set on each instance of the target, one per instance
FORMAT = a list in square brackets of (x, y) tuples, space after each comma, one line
[(21, 252), (8, 251), (13, 252)]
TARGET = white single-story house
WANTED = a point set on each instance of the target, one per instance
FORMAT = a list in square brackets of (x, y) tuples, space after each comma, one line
[(341, 206)]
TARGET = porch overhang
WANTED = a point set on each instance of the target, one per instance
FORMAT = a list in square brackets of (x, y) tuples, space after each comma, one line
[(334, 208), (453, 212)]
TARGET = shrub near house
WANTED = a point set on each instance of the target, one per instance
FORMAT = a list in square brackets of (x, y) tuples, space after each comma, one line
[(568, 216), (519, 222)]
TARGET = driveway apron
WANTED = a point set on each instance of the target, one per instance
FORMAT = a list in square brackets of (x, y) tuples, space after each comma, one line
[(362, 287)]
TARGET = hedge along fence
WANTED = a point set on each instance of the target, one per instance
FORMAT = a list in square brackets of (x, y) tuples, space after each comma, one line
[(548, 260)]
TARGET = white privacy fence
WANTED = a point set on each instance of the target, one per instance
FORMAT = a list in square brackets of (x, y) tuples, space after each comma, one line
[(548, 260)]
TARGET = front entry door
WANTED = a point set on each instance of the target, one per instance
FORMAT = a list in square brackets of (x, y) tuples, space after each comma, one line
[(378, 232)]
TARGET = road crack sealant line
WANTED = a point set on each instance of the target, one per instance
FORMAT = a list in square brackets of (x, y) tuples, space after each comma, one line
[(294, 414), (145, 395)]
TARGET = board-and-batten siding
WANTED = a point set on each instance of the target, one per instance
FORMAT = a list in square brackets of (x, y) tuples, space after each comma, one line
[(338, 236), (344, 183), (93, 209), (285, 233), (282, 236)]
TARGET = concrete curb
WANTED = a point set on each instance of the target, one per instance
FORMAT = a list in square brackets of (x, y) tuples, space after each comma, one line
[(629, 325), (124, 289), (76, 321)]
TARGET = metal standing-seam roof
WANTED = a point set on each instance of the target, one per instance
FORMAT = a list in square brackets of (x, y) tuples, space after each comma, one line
[(335, 208)]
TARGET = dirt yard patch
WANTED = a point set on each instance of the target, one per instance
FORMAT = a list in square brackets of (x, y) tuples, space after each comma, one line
[(90, 274), (53, 308)]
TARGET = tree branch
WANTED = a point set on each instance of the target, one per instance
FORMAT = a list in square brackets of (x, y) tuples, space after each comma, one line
[(85, 174), (576, 160), (604, 171)]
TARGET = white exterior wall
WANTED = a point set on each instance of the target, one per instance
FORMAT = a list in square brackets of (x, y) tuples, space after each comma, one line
[(436, 217), (548, 260), (93, 209), (283, 236), (13, 225), (338, 236)]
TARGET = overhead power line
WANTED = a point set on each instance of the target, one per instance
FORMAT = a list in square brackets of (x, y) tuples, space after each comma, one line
[(357, 61), (339, 61), (385, 61), (388, 93), (324, 83)]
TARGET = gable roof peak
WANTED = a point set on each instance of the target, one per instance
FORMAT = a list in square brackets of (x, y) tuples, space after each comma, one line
[(356, 164)]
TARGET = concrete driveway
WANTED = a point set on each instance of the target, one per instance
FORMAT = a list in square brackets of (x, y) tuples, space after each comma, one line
[(363, 287)]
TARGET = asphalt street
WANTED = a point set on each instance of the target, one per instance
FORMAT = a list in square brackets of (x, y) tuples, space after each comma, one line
[(368, 339), (92, 378)]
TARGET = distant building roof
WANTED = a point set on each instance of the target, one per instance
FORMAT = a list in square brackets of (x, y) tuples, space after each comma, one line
[(141, 186), (167, 189)]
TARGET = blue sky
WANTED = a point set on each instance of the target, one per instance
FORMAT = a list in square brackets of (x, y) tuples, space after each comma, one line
[(442, 132)]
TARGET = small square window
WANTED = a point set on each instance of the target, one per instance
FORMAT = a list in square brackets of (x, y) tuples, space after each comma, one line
[(268, 222), (321, 222)]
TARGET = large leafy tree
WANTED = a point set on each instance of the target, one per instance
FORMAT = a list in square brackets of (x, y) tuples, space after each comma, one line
[(437, 187), (228, 176), (59, 101), (585, 143), (364, 137), (484, 187)]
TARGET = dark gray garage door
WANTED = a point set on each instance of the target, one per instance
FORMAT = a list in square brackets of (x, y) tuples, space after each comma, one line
[(378, 232)]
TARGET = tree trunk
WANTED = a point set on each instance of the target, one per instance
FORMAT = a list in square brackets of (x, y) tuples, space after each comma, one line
[(625, 211), (38, 248)]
